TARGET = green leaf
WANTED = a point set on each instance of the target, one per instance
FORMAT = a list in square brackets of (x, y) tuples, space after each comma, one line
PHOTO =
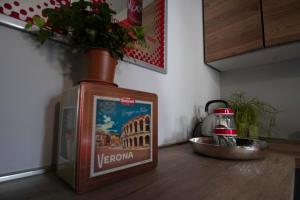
[(43, 35), (104, 7), (28, 25), (40, 22), (91, 33), (47, 11)]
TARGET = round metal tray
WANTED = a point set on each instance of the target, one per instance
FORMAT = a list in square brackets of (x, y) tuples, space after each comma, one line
[(246, 149)]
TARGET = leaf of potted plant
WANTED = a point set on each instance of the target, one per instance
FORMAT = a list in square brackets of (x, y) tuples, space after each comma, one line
[(90, 27)]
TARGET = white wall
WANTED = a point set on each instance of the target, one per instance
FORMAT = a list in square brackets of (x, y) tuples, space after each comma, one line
[(277, 84), (31, 79), (188, 82)]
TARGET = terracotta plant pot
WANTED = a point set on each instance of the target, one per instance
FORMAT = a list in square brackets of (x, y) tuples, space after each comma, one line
[(101, 66)]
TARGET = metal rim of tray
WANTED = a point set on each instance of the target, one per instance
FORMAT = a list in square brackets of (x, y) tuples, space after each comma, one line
[(204, 146)]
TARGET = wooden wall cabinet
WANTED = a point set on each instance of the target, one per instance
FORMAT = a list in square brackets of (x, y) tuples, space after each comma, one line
[(239, 33), (231, 27), (281, 21)]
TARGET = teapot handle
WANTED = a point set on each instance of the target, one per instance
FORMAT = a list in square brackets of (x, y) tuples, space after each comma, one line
[(216, 101)]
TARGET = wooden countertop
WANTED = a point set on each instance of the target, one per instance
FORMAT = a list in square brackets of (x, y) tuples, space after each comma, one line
[(288, 147), (181, 174)]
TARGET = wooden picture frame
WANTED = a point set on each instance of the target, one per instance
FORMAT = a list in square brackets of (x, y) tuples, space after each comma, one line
[(153, 17), (116, 135)]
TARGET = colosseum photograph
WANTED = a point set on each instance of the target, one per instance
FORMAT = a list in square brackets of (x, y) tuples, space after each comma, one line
[(122, 135)]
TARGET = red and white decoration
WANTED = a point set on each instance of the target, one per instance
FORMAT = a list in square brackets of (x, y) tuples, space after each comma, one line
[(26, 9)]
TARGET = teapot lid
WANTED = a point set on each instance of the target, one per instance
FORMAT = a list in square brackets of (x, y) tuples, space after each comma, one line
[(225, 111)]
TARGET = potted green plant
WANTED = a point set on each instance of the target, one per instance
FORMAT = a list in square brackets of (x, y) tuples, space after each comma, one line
[(252, 115), (90, 27)]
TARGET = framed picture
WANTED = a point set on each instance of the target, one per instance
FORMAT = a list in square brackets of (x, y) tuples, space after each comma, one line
[(150, 14), (122, 134), (116, 135)]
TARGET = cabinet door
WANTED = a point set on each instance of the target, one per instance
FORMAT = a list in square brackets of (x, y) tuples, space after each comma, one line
[(231, 27), (281, 21)]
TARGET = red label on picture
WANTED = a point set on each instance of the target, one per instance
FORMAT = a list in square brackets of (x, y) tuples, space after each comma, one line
[(127, 101)]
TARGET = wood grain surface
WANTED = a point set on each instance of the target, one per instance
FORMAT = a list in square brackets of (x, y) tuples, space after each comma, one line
[(181, 174), (281, 21), (231, 27), (288, 147)]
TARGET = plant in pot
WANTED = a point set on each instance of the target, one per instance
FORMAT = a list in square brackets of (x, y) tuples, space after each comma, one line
[(253, 117), (89, 27)]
